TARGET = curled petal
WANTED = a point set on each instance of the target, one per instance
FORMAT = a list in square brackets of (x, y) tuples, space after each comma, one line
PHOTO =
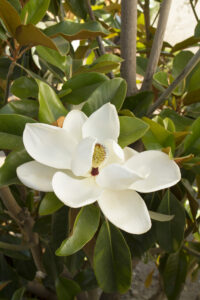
[(114, 152), (75, 192), (126, 210), (73, 123), (161, 171), (49, 145), (129, 152), (36, 176), (116, 177), (103, 123)]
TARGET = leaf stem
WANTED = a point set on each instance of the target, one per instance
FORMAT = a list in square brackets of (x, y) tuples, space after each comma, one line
[(194, 10), (8, 81)]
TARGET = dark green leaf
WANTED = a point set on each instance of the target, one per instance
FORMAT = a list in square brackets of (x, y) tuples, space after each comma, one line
[(131, 129), (59, 227), (9, 16), (33, 11), (16, 4), (28, 108), (191, 41), (10, 141), (170, 234), (66, 289), (113, 91), (192, 141), (51, 107), (139, 103), (181, 123), (24, 87), (78, 7), (180, 61), (49, 204), (14, 124), (161, 78), (82, 86), (85, 226), (197, 30), (18, 294), (192, 97), (112, 260)]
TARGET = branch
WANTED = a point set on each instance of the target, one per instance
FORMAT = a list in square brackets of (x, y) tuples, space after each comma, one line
[(194, 11), (8, 81), (128, 43), (40, 291), (192, 251), (25, 222), (188, 68), (157, 45), (147, 20)]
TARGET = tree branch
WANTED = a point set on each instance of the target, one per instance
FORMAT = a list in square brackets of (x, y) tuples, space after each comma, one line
[(157, 45), (147, 20), (194, 10), (188, 68), (128, 43), (39, 290), (25, 222)]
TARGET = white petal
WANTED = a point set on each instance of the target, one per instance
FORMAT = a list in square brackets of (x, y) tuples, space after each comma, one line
[(116, 177), (103, 123), (126, 210), (75, 192), (73, 123), (162, 172), (82, 159), (2, 158), (114, 152), (129, 152), (49, 145), (36, 176)]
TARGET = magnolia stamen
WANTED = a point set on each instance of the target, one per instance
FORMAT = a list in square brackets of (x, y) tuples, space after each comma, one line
[(99, 155)]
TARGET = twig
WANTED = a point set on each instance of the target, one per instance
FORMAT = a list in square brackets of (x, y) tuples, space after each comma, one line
[(14, 247), (194, 10), (25, 223), (8, 81), (39, 290), (147, 20), (128, 43), (188, 68), (157, 45), (192, 251)]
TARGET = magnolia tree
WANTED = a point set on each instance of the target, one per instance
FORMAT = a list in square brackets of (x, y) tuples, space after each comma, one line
[(100, 149)]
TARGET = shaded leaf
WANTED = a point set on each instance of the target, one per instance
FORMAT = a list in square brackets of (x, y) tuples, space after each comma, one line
[(66, 289), (9, 16), (49, 204), (33, 11), (24, 87), (13, 123)]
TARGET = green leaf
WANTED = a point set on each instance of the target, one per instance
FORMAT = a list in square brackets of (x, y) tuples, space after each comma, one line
[(180, 61), (85, 226), (161, 78), (181, 123), (192, 97), (66, 289), (192, 140), (10, 141), (59, 228), (78, 7), (160, 217), (9, 16), (16, 4), (131, 129), (51, 107), (174, 274), (53, 57), (13, 123), (139, 103), (18, 294), (76, 31), (157, 137), (62, 45), (49, 204), (113, 91), (170, 234), (191, 41), (24, 87), (8, 170), (82, 86), (112, 260), (197, 30), (24, 107), (102, 67), (33, 11), (194, 81)]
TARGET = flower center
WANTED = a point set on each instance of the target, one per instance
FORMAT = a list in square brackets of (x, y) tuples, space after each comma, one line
[(98, 156)]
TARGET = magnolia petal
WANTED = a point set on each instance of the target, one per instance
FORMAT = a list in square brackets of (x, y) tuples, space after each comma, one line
[(103, 123), (114, 152), (36, 176), (129, 152), (116, 177), (75, 192), (2, 158), (82, 159), (49, 145), (73, 123), (126, 210), (162, 172)]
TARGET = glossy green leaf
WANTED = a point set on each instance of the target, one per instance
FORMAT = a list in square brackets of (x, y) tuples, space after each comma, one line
[(180, 61), (27, 108), (82, 86), (59, 228), (76, 31), (49, 204), (191, 41), (161, 78), (66, 289), (192, 97), (157, 137), (33, 11), (101, 67), (62, 44), (113, 91), (160, 217), (53, 57), (24, 87), (112, 260), (194, 81), (181, 123), (13, 123), (192, 140), (78, 7), (8, 170), (174, 274), (9, 16), (170, 234), (85, 226), (18, 294), (51, 107), (139, 103), (10, 141), (131, 129)]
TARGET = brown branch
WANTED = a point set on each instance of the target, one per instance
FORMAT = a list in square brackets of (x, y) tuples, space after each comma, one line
[(157, 45), (128, 43), (188, 68), (194, 11), (39, 290), (25, 222), (147, 20)]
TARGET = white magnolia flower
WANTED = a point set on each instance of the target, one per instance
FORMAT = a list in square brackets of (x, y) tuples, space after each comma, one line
[(82, 163)]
